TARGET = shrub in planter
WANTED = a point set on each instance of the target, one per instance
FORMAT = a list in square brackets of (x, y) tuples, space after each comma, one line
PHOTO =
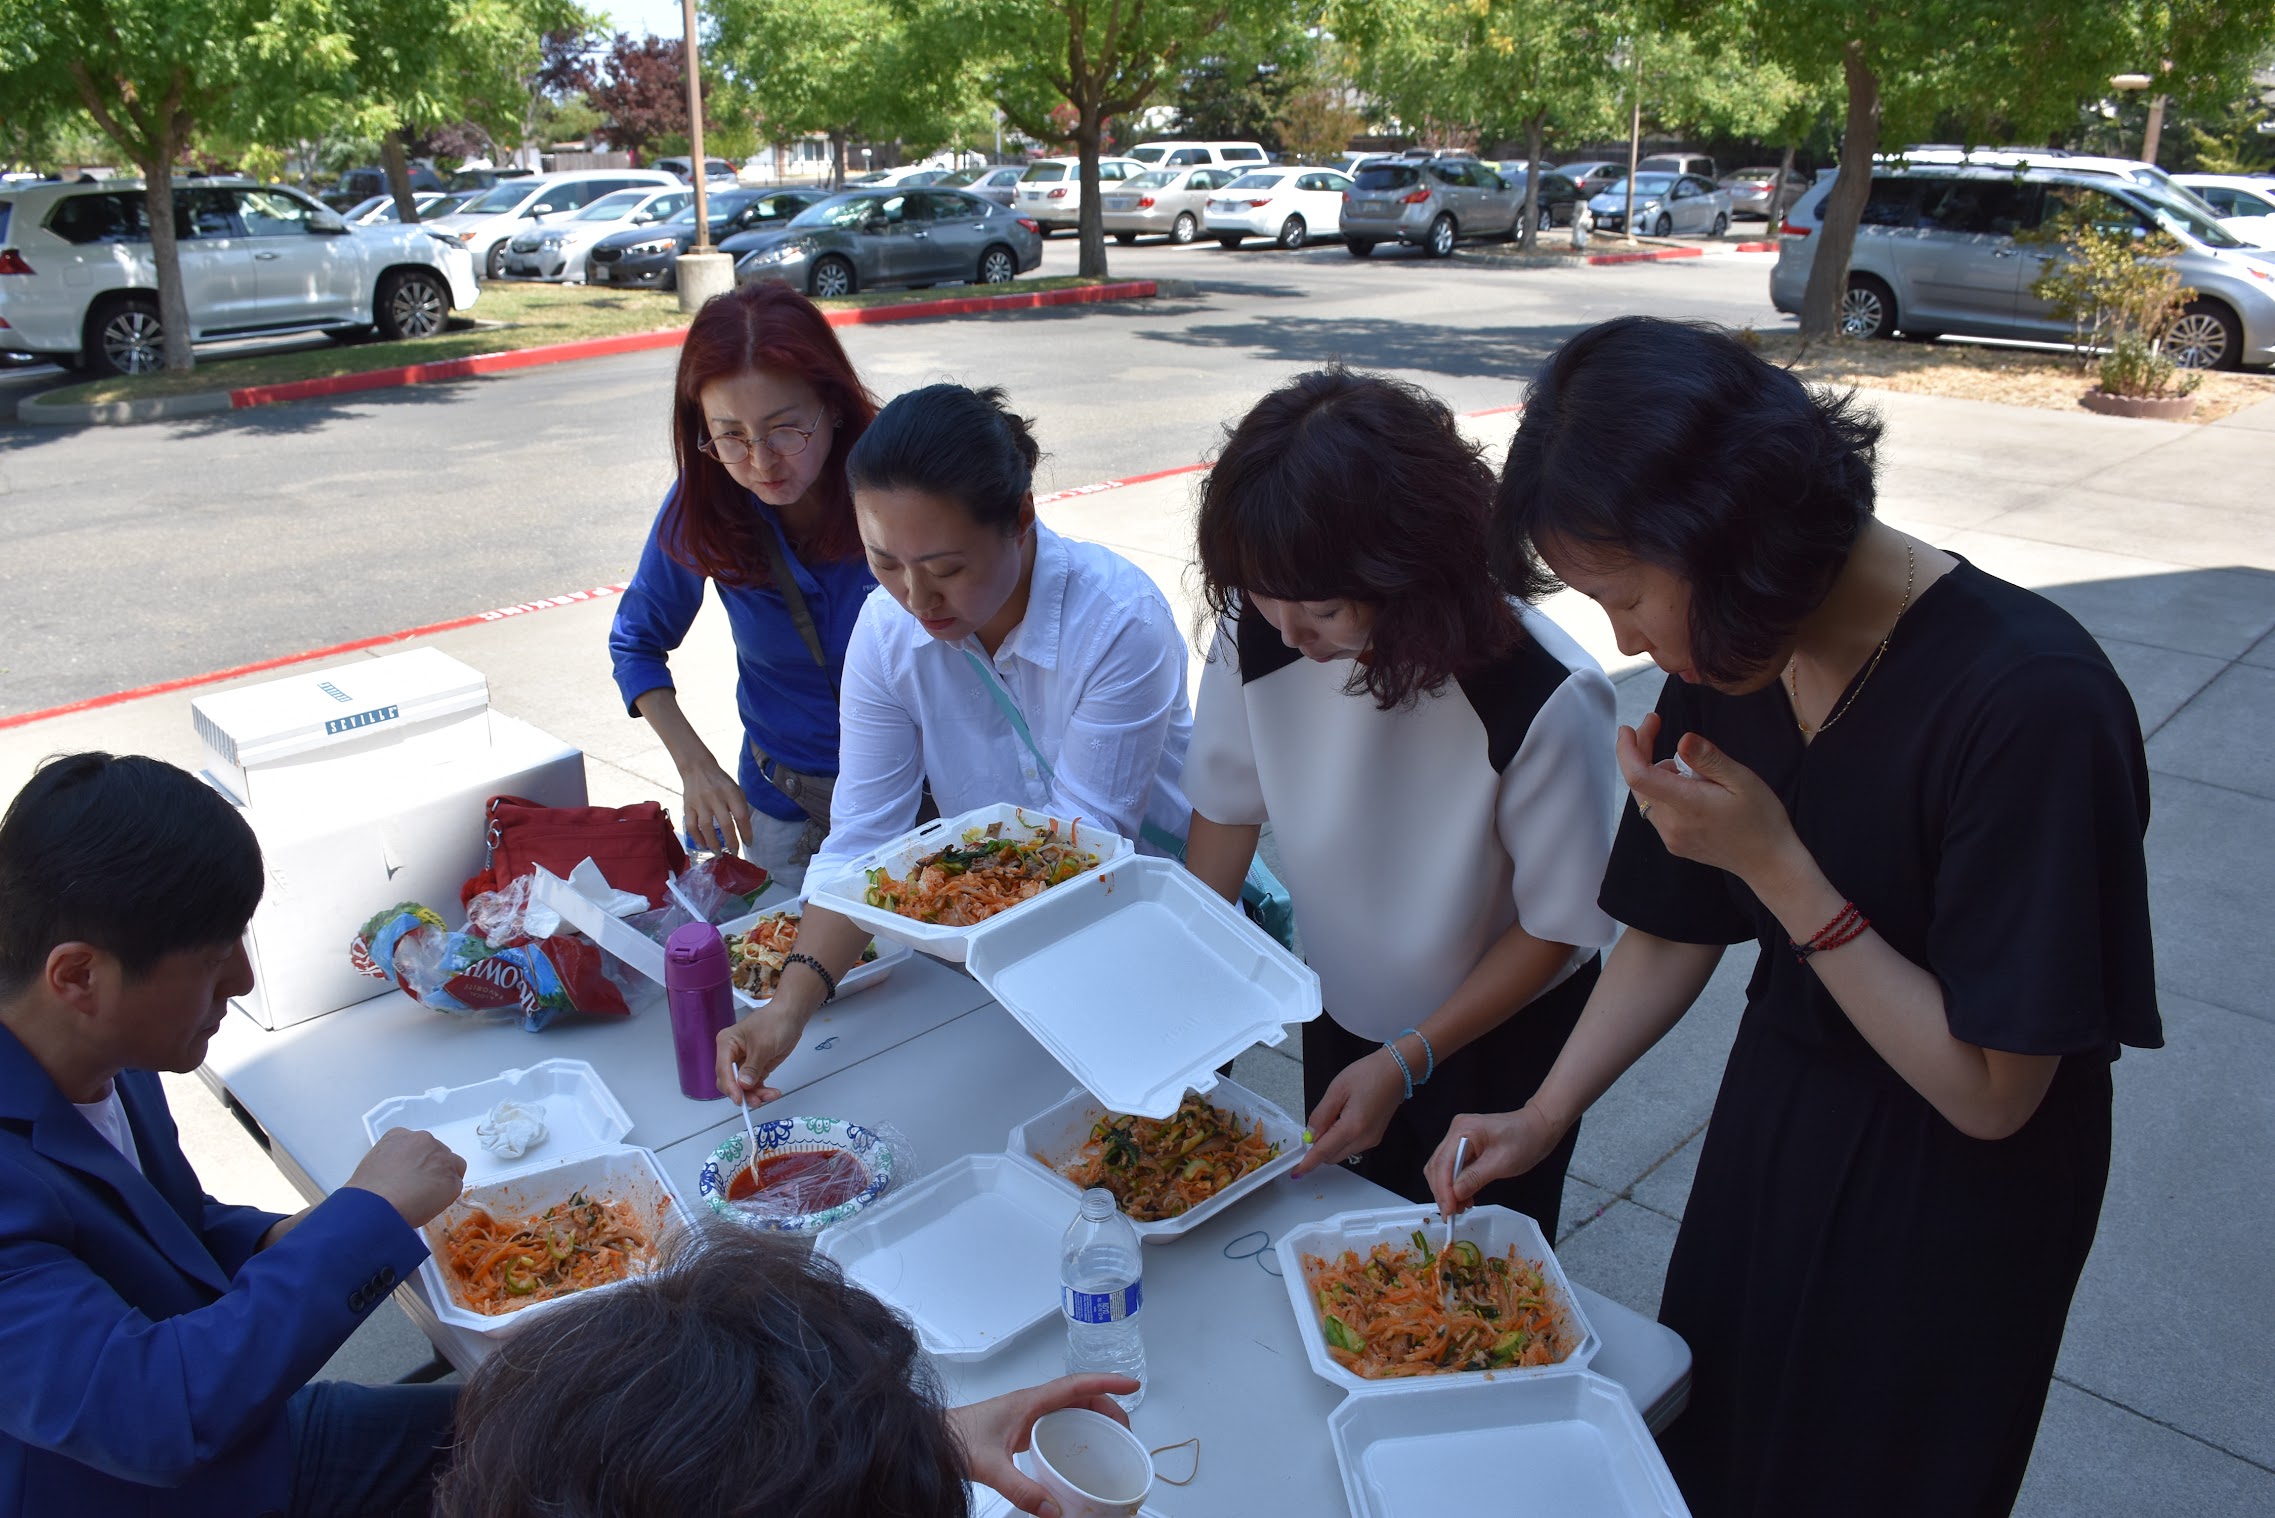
[(2117, 287)]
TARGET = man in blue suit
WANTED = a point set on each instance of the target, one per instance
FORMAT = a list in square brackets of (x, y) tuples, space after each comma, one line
[(157, 1344)]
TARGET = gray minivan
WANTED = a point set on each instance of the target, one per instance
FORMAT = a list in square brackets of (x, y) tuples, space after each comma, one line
[(1936, 252)]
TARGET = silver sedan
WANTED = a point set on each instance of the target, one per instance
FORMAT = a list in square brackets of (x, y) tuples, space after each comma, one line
[(1164, 203), (892, 236), (1665, 204)]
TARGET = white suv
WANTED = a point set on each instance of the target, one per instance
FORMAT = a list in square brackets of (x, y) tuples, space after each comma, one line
[(1170, 154), (1050, 192), (488, 223), (78, 283)]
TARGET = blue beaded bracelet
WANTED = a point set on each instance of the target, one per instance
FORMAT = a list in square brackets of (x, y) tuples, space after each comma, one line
[(1431, 1068), (1405, 1070)]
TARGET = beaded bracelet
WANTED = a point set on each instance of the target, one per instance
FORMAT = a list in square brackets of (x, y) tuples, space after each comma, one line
[(1846, 927), (1404, 1069), (1430, 1055), (829, 981)]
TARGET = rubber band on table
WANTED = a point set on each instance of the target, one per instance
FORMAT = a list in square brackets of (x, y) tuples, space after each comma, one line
[(1262, 1254), (1191, 1476)]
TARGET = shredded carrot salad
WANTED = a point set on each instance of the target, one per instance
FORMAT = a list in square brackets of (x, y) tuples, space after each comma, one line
[(572, 1245), (1159, 1168), (756, 956), (1402, 1312), (987, 873)]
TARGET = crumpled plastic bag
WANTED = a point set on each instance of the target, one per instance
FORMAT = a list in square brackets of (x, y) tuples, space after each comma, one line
[(458, 973), (717, 888), (512, 1129)]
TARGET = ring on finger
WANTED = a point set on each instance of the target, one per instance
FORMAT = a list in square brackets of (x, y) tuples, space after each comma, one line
[(1642, 807)]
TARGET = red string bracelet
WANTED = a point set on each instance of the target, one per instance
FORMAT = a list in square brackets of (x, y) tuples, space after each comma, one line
[(1846, 927)]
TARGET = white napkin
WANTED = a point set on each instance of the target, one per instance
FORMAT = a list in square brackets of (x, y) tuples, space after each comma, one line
[(512, 1129), (587, 881)]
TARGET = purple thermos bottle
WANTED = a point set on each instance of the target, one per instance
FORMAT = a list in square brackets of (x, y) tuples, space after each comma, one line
[(696, 985)]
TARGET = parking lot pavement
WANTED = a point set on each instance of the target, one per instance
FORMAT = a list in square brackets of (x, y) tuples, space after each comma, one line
[(2151, 534)]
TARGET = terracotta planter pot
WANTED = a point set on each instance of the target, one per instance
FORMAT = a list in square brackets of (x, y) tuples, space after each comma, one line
[(2162, 408)]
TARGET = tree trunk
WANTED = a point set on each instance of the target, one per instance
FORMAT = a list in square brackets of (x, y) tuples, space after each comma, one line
[(1531, 212), (1777, 191), (1634, 147), (837, 160), (1090, 218), (398, 174), (1844, 207), (166, 253)]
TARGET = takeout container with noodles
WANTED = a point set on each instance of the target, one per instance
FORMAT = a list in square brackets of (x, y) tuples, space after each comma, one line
[(796, 1205), (582, 1151)]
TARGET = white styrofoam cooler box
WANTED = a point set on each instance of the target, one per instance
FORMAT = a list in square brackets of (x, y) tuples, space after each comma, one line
[(583, 1150), (846, 892), (416, 836), (284, 740)]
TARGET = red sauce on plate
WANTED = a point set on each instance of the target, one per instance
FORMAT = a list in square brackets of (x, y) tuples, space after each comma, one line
[(825, 1178)]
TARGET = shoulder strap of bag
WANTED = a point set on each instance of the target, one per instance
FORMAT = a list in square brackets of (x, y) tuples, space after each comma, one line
[(778, 565), (1003, 702)]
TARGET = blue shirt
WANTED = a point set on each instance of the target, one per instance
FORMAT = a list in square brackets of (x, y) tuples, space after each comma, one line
[(788, 706)]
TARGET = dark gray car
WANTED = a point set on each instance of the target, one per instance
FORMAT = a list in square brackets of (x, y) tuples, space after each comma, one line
[(998, 182), (865, 239), (650, 255), (1427, 204)]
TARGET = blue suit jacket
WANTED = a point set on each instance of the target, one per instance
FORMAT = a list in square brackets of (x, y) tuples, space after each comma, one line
[(146, 1351)]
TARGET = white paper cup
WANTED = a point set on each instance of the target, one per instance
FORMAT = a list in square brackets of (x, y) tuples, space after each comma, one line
[(1091, 1465)]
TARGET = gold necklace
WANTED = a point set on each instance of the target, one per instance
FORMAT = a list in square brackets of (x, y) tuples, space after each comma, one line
[(1793, 681)]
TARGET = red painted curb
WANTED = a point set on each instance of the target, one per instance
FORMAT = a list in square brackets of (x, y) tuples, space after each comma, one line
[(1754, 247), (667, 337), (260, 666), (1657, 255)]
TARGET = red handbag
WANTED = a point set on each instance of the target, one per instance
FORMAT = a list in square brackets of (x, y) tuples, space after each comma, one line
[(635, 846)]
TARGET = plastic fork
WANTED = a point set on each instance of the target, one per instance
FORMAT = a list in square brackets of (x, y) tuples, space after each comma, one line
[(1460, 1154), (751, 1128)]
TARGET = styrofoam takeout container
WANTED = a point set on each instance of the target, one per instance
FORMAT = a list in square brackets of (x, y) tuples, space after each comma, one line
[(583, 1150), (1572, 1444), (1054, 1138), (875, 972), (1142, 981), (847, 892), (970, 1254), (1491, 1229)]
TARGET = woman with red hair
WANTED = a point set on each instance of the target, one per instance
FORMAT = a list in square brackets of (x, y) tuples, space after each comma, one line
[(764, 412)]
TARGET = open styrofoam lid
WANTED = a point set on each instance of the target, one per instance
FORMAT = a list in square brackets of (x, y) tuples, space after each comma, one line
[(1573, 1444), (1142, 981), (582, 1117), (970, 1253)]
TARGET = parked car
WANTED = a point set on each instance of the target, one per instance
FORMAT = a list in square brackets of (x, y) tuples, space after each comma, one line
[(1287, 205), (1665, 204), (78, 283), (683, 169), (1749, 190), (361, 184), (555, 251), (1560, 198), (1050, 191), (1594, 176), (998, 182), (1165, 203), (379, 210), (864, 239), (1428, 204), (1677, 163), (649, 255), (2132, 170), (1937, 252), (492, 219), (487, 176), (1193, 155), (2245, 203)]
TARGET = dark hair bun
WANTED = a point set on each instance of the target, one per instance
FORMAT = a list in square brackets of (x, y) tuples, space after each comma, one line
[(954, 441)]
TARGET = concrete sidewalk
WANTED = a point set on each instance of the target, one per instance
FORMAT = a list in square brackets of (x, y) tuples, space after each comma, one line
[(2157, 537)]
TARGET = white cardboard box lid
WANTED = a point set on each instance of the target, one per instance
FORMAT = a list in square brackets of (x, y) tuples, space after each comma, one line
[(582, 1117), (256, 724), (970, 1253), (1142, 981), (1573, 1444)]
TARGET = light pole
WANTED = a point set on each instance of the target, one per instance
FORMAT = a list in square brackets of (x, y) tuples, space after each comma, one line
[(2153, 135), (703, 272)]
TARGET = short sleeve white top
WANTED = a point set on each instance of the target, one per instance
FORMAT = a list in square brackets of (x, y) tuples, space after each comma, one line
[(1411, 839), (1097, 670)]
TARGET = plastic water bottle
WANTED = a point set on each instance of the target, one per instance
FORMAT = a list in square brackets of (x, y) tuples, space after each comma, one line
[(1101, 1267)]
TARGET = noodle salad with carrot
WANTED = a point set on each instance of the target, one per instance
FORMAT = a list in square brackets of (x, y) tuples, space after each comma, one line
[(1160, 1168), (757, 956), (987, 873), (499, 1267), (1417, 1312)]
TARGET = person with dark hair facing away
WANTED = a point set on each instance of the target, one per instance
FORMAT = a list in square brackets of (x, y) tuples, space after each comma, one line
[(765, 409), (1920, 791), (1434, 759), (747, 1379), (159, 1343), (997, 662)]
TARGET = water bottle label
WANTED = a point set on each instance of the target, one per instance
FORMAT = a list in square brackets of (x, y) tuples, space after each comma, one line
[(1102, 1306)]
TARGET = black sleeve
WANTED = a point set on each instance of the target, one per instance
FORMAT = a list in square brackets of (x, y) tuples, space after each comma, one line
[(1648, 888), (2040, 928)]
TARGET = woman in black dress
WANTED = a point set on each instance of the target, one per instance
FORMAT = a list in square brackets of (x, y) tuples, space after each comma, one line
[(1921, 791)]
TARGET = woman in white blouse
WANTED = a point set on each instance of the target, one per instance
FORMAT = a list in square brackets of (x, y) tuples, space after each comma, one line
[(1435, 760), (980, 611)]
